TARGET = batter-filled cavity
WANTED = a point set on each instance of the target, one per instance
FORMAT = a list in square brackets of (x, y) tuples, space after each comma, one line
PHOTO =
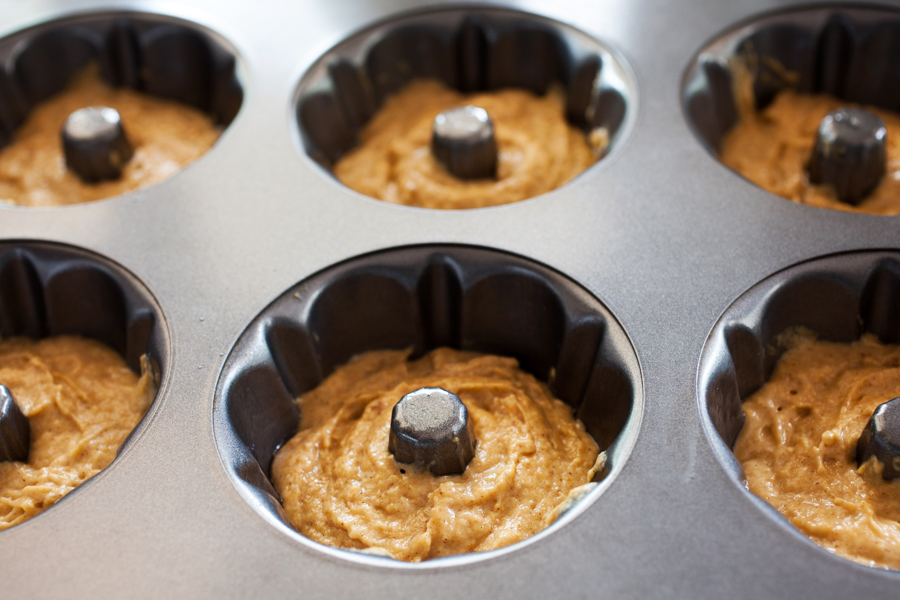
[(798, 445), (537, 150), (165, 136), (81, 401), (342, 487), (773, 147)]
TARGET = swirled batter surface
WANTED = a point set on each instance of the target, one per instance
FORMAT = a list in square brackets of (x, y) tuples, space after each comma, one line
[(798, 445), (166, 136), (772, 148), (538, 150), (81, 401), (341, 486)]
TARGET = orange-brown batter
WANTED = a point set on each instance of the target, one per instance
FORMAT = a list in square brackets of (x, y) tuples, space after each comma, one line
[(342, 487), (772, 149), (166, 136), (538, 150), (798, 445), (81, 401)]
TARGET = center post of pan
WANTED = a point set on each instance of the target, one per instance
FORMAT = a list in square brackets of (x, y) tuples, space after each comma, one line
[(431, 430), (463, 141)]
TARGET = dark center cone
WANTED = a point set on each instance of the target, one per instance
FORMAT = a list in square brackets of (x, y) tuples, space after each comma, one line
[(463, 141), (881, 438), (15, 432), (431, 430), (95, 144), (849, 153)]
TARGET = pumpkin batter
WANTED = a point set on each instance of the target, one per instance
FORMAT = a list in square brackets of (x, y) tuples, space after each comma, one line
[(798, 445), (81, 401), (772, 149), (166, 137), (538, 150), (341, 486)]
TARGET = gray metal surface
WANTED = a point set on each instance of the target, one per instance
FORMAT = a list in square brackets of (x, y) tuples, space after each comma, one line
[(664, 235)]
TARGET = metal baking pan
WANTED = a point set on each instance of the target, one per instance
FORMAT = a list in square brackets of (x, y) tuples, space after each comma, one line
[(660, 245)]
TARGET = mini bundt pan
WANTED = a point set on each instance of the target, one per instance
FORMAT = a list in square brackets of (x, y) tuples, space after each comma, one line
[(471, 50), (852, 53), (50, 290), (838, 297), (424, 298), (161, 56)]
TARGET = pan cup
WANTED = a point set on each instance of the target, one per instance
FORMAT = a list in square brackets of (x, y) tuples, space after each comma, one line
[(470, 50), (422, 298), (838, 297), (51, 290), (158, 55), (848, 52)]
